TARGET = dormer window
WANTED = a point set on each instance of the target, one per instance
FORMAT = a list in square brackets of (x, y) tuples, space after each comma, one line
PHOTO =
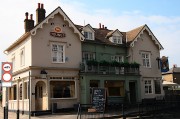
[(117, 39), (88, 35)]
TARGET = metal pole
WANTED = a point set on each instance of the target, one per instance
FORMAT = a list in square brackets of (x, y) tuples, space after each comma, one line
[(18, 96), (29, 96), (6, 108)]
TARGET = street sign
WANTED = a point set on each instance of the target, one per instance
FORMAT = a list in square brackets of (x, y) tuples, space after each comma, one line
[(6, 77)]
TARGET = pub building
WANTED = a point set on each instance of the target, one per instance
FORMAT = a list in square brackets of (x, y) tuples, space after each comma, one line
[(47, 55), (61, 62)]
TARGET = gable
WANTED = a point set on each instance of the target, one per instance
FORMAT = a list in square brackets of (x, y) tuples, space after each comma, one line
[(65, 18), (88, 28), (134, 35)]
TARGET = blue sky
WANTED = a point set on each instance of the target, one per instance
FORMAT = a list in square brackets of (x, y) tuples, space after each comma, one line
[(162, 17)]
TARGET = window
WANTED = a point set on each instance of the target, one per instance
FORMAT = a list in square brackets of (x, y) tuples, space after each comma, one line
[(88, 35), (117, 58), (157, 86), (25, 90), (13, 61), (22, 57), (88, 56), (58, 53), (62, 89), (117, 39), (20, 92), (148, 86), (146, 59)]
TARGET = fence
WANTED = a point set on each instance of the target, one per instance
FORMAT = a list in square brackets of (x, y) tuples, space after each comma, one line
[(150, 108)]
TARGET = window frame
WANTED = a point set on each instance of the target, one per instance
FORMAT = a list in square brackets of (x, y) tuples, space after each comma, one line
[(118, 58), (22, 57), (88, 35), (117, 39), (149, 85), (89, 56), (57, 53), (146, 61)]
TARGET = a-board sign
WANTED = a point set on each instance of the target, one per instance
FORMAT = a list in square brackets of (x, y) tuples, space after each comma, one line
[(99, 99)]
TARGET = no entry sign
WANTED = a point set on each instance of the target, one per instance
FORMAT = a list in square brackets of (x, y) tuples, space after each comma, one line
[(6, 74)]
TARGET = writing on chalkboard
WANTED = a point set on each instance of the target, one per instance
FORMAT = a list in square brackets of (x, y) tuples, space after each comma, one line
[(99, 99)]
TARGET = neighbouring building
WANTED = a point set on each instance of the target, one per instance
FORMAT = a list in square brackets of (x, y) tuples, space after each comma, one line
[(58, 62), (173, 75)]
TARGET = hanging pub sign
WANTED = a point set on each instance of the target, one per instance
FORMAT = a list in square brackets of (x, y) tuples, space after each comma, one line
[(164, 64), (57, 32)]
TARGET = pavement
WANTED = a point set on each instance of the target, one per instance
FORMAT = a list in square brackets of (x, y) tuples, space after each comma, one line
[(13, 115)]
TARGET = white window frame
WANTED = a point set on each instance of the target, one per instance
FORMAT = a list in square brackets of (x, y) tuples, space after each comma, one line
[(88, 35), (147, 85), (88, 56), (22, 57), (118, 58), (59, 54), (146, 59), (13, 61), (117, 39)]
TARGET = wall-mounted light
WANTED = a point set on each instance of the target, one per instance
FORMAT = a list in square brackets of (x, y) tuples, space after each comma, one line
[(43, 74)]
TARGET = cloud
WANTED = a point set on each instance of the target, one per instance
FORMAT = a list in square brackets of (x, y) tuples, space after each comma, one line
[(165, 28)]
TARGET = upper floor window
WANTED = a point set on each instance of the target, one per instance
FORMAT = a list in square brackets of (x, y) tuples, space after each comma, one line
[(58, 53), (13, 61), (22, 57), (146, 59), (148, 86), (117, 39), (88, 56), (117, 58), (88, 35)]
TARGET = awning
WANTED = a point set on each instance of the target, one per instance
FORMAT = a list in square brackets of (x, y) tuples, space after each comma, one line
[(167, 83)]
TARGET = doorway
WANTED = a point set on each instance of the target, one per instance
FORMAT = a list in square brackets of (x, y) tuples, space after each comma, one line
[(132, 91), (40, 97)]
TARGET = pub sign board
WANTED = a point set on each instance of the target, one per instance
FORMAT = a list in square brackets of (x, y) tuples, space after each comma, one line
[(6, 77), (99, 99)]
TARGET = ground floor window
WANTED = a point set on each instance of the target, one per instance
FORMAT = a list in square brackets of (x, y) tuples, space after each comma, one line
[(114, 88), (12, 93), (157, 86), (62, 89), (148, 86)]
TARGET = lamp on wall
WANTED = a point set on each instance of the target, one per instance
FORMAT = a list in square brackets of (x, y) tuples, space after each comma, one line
[(43, 74)]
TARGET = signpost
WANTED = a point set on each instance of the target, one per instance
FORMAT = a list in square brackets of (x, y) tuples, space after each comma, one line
[(6, 74), (6, 79)]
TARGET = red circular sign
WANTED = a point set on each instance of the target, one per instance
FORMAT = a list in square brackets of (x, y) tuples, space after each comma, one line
[(6, 77), (6, 67)]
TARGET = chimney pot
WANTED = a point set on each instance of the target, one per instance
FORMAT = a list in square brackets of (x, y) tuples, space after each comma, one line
[(42, 6), (99, 25), (103, 26), (39, 5), (26, 14), (31, 16)]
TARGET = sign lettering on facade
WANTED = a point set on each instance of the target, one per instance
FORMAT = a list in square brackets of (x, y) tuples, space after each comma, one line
[(57, 32)]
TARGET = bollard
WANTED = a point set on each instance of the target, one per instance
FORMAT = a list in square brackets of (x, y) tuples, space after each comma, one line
[(18, 114)]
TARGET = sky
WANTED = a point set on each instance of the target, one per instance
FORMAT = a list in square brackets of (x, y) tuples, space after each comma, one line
[(161, 16)]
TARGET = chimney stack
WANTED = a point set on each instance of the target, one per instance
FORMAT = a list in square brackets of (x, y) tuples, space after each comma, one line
[(40, 13), (99, 25), (28, 23)]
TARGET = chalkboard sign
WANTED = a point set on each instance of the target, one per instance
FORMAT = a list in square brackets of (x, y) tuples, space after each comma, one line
[(98, 99)]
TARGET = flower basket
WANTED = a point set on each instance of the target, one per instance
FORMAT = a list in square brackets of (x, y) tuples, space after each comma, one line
[(104, 63), (115, 64), (135, 65), (92, 63)]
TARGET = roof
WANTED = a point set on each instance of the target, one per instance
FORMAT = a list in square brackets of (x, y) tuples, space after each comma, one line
[(172, 70), (101, 34), (40, 25), (133, 35)]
